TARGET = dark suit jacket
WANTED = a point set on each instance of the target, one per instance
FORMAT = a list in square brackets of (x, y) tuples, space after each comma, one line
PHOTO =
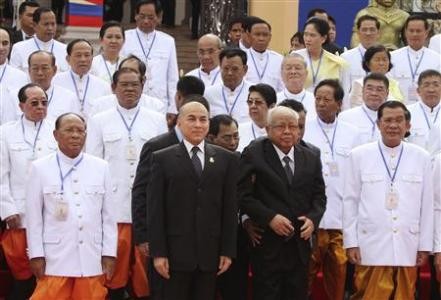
[(193, 221), (143, 172), (264, 191), (17, 35)]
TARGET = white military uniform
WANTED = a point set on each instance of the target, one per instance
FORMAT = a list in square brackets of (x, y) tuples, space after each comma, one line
[(305, 97), (87, 89), (408, 65), (21, 51), (434, 139), (365, 119), (11, 77), (225, 101), (265, 68), (435, 43), (343, 137), (108, 138), (158, 51), (74, 230), (104, 69), (17, 153), (422, 120), (354, 57), (248, 132), (107, 102), (437, 203), (388, 233), (209, 79), (8, 106)]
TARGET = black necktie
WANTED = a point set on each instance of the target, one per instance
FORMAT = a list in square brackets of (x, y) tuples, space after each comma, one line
[(287, 169), (196, 161)]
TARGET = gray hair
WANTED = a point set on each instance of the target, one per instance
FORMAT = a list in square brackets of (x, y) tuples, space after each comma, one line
[(281, 110), (294, 55)]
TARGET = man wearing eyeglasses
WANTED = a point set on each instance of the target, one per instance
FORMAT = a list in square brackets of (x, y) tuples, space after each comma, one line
[(22, 141)]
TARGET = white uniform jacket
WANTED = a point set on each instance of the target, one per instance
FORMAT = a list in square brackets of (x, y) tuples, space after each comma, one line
[(8, 106), (365, 120), (402, 70), (104, 69), (21, 51), (72, 247), (86, 89), (354, 57), (434, 139), (214, 77), (108, 138), (16, 158), (388, 236), (437, 203), (11, 77), (162, 66), (419, 131), (248, 132), (435, 43), (225, 101), (305, 97), (334, 163), (265, 68)]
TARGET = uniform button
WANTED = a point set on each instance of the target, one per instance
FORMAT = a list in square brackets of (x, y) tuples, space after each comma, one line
[(132, 163), (81, 228), (364, 231), (80, 216), (395, 230), (39, 149), (132, 176), (75, 193), (326, 174), (199, 190), (81, 242), (394, 218), (78, 204), (75, 180)]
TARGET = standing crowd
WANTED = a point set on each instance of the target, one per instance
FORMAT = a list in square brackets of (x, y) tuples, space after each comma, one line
[(119, 178)]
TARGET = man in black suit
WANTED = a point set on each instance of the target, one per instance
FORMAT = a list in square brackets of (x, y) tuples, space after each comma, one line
[(281, 188), (25, 13), (192, 216)]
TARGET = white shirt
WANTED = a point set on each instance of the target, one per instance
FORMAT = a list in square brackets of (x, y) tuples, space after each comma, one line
[(11, 77), (162, 67), (365, 120), (434, 139), (334, 162), (420, 126), (354, 57), (108, 138), (248, 132), (234, 103), (209, 79), (305, 97), (21, 51), (282, 155), (401, 71), (437, 203), (388, 237), (107, 102), (435, 43), (200, 153), (8, 106), (72, 247), (265, 68), (104, 69), (16, 156), (87, 89)]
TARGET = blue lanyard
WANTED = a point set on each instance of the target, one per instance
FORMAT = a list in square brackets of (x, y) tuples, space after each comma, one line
[(214, 79), (34, 144), (426, 118), (107, 67), (412, 72), (36, 44), (252, 128), (3, 73), (315, 74), (362, 57), (230, 111), (142, 47), (62, 178), (370, 120), (50, 98), (391, 176), (301, 100), (257, 69), (128, 127), (78, 93), (330, 143)]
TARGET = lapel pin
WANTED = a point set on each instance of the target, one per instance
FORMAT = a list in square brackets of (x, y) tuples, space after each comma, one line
[(211, 159)]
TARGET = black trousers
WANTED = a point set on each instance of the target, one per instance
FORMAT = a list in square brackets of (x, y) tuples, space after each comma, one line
[(191, 285)]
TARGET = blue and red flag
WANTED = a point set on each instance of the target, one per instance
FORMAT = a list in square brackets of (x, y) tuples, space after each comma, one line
[(85, 13)]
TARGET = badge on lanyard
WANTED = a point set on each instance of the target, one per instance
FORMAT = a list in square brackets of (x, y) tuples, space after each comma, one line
[(391, 199), (148, 72), (131, 151), (61, 208), (412, 94), (333, 168)]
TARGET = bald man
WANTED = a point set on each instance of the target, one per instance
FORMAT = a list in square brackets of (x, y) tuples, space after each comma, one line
[(193, 211), (209, 47)]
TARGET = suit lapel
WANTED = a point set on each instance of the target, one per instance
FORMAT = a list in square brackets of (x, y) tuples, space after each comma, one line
[(299, 163), (209, 162), (273, 160), (185, 161)]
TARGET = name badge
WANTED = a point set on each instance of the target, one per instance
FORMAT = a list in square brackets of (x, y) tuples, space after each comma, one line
[(392, 200), (131, 152), (333, 168), (61, 208), (412, 94), (148, 72)]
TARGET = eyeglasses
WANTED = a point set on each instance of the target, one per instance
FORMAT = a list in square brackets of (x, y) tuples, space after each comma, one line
[(36, 103), (255, 102), (282, 127)]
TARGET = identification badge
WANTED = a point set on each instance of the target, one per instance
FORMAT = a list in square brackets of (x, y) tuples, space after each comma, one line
[(148, 73), (412, 94), (333, 168), (131, 152), (61, 208), (391, 200)]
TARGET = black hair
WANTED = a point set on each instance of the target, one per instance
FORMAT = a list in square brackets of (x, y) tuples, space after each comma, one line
[(23, 5), (22, 97), (233, 52), (299, 36), (393, 104), (428, 73), (36, 17), (368, 18), (70, 46), (332, 20), (219, 120), (295, 105), (320, 25), (416, 18), (370, 52), (110, 24), (62, 116), (266, 91), (120, 71), (378, 77), (255, 21), (156, 4), (335, 84), (190, 85), (314, 11), (142, 68), (235, 20)]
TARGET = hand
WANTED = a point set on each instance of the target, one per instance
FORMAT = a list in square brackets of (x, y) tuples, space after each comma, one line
[(437, 264), (307, 229), (108, 265), (281, 225), (144, 249), (13, 221), (38, 266), (353, 255), (224, 264), (161, 265), (254, 231), (422, 257)]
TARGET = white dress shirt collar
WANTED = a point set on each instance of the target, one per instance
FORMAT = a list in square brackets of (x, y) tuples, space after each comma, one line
[(327, 125), (67, 160), (242, 46), (393, 151), (146, 36), (362, 49), (212, 72), (127, 112), (428, 109), (77, 77), (178, 133), (281, 155), (44, 45), (258, 55), (415, 53), (290, 95), (189, 146), (370, 112), (230, 92), (30, 124)]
